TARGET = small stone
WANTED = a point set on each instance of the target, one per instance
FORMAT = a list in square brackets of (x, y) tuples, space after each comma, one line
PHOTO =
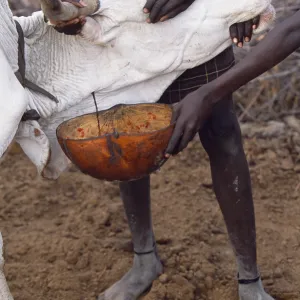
[(164, 241), (103, 218), (293, 123), (199, 275), (176, 249), (72, 258), (51, 259), (297, 168), (278, 273), (193, 192), (201, 286), (190, 275), (85, 277), (163, 278), (268, 282), (195, 266), (182, 269), (69, 194), (83, 262), (181, 281), (90, 219), (209, 282), (207, 184), (287, 164), (124, 245), (271, 154)]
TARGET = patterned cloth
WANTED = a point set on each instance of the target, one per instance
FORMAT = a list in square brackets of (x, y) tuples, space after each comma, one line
[(193, 79)]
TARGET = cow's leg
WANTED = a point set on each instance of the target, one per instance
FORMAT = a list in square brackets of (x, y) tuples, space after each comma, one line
[(221, 137), (146, 264)]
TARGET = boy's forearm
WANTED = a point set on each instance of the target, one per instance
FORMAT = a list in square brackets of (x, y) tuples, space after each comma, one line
[(278, 44)]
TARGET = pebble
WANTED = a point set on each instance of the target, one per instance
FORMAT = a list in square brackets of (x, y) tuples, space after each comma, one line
[(176, 249), (199, 275), (193, 192), (83, 262), (287, 164), (195, 266), (278, 273), (164, 241), (297, 168), (163, 278), (189, 275), (103, 218), (182, 269), (181, 281), (72, 258), (268, 282), (51, 259), (85, 277), (58, 222), (209, 282), (201, 287)]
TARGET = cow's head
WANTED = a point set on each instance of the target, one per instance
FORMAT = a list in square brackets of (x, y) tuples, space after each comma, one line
[(58, 12)]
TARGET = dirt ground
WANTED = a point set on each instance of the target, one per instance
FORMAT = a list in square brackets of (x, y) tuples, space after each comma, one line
[(69, 239)]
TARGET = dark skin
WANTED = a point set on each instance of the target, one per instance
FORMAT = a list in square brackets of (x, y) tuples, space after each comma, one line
[(193, 111)]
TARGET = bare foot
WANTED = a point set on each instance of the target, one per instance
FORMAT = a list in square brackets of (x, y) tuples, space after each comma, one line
[(146, 268), (253, 291)]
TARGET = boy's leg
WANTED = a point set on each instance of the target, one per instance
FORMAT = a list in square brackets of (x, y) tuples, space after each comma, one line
[(146, 264), (221, 138)]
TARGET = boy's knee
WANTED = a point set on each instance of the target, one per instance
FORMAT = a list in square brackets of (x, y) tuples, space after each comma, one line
[(222, 135)]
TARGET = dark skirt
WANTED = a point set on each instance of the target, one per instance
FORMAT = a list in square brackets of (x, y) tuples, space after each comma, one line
[(194, 78)]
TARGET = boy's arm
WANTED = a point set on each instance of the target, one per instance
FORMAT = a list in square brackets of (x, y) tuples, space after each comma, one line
[(282, 41), (191, 113)]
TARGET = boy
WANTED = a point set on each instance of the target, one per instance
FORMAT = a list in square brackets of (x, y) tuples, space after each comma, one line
[(221, 139)]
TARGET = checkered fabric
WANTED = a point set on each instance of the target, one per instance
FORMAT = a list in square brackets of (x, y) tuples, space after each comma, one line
[(194, 78)]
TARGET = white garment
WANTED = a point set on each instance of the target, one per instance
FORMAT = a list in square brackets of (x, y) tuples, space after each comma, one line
[(136, 64)]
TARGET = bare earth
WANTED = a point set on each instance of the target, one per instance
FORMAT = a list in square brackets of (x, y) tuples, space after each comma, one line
[(69, 239)]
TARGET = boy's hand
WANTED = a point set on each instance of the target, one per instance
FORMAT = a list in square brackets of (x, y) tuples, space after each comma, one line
[(242, 32), (190, 114), (161, 10)]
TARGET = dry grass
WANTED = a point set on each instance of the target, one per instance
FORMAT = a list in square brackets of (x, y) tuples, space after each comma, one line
[(275, 94)]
